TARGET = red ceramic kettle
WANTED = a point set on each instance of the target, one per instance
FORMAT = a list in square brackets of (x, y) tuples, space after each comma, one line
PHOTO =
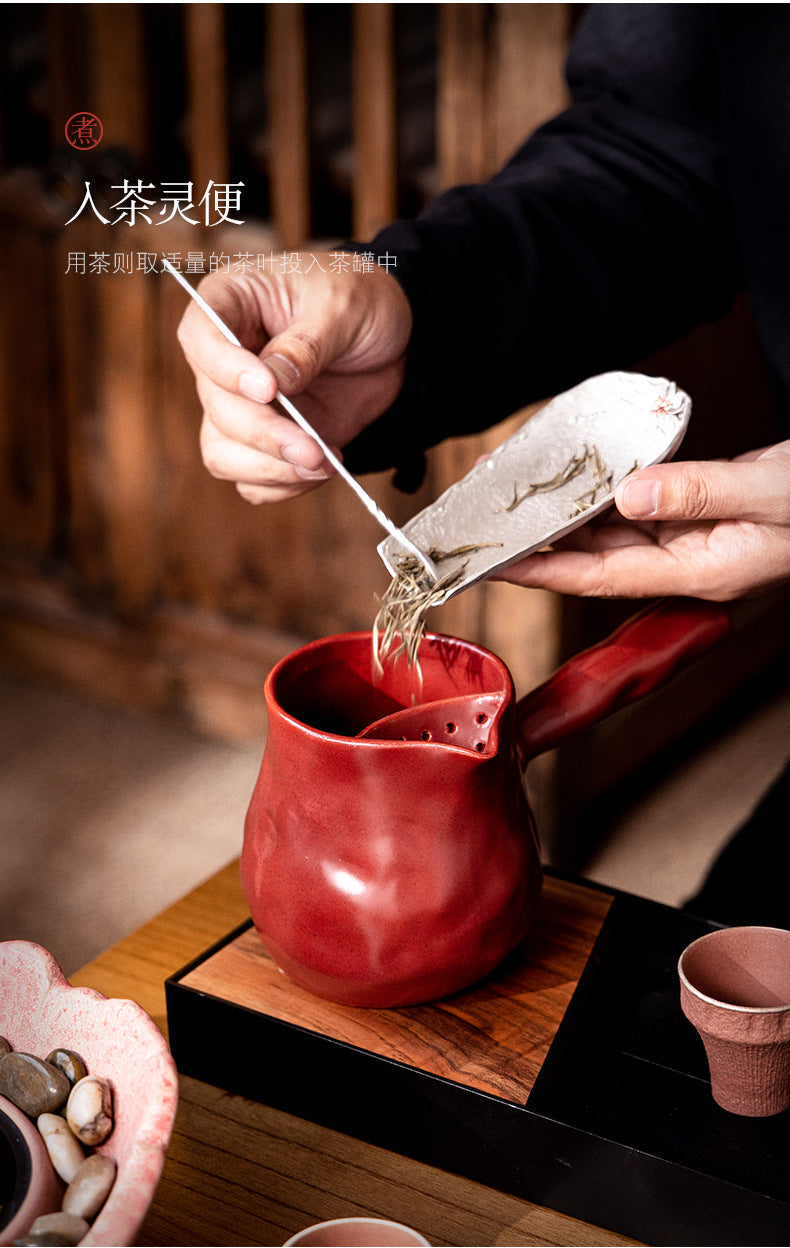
[(390, 855)]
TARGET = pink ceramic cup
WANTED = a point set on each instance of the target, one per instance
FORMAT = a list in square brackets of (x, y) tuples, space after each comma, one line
[(357, 1233), (735, 989), (35, 1187)]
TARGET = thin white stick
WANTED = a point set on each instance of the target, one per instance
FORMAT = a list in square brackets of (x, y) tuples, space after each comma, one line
[(304, 424)]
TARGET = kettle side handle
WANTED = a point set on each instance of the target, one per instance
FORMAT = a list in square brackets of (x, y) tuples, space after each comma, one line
[(640, 656)]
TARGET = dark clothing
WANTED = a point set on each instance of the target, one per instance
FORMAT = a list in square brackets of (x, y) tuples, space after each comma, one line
[(638, 213)]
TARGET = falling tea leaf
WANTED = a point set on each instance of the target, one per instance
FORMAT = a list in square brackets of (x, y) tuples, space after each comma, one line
[(409, 595)]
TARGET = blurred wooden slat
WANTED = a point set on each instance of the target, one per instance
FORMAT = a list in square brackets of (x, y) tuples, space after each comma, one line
[(121, 357), (118, 67), (375, 199), (127, 401), (461, 157), (530, 42), (69, 44), (74, 325), (462, 77), (67, 65), (287, 78), (28, 398), (207, 94)]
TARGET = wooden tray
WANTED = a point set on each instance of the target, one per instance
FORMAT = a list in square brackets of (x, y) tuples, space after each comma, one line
[(570, 1077)]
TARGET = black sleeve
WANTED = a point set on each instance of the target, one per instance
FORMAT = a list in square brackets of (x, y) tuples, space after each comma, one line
[(607, 235)]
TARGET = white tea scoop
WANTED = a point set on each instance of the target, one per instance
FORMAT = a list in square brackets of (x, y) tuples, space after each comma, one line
[(554, 474), (396, 536)]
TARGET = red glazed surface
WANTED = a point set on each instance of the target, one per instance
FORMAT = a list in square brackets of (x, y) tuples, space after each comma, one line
[(39, 1011), (382, 871), (387, 872), (735, 989)]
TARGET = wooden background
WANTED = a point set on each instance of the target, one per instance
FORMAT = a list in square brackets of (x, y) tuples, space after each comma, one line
[(125, 570)]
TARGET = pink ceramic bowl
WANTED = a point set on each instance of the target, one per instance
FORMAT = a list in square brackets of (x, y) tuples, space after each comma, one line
[(40, 1011)]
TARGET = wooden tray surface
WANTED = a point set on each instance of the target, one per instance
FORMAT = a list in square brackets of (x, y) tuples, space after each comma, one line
[(494, 1037), (569, 1077)]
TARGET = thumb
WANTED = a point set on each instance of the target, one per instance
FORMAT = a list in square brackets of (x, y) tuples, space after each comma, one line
[(757, 490), (303, 350)]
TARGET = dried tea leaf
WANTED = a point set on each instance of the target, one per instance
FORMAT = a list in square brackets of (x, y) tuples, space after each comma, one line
[(409, 595), (602, 481), (575, 465)]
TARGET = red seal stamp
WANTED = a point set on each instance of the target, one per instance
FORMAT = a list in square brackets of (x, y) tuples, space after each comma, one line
[(84, 130)]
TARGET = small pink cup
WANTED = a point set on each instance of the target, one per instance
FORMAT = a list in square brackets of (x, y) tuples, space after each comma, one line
[(735, 989), (37, 1189), (357, 1233)]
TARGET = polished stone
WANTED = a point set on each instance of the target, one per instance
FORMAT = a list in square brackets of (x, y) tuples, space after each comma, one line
[(32, 1084), (56, 1229), (65, 1150), (90, 1187), (70, 1063), (89, 1110)]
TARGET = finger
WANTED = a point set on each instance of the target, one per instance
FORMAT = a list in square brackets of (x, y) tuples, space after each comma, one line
[(234, 368), (311, 343), (764, 452), (229, 460), (618, 573), (756, 490), (288, 362), (261, 428), (257, 494), (718, 562), (605, 534)]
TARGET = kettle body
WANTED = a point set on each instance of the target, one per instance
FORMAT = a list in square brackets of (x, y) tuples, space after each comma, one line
[(390, 856), (392, 871)]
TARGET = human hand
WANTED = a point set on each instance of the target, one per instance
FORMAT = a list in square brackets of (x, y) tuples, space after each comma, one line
[(698, 529), (336, 339)]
